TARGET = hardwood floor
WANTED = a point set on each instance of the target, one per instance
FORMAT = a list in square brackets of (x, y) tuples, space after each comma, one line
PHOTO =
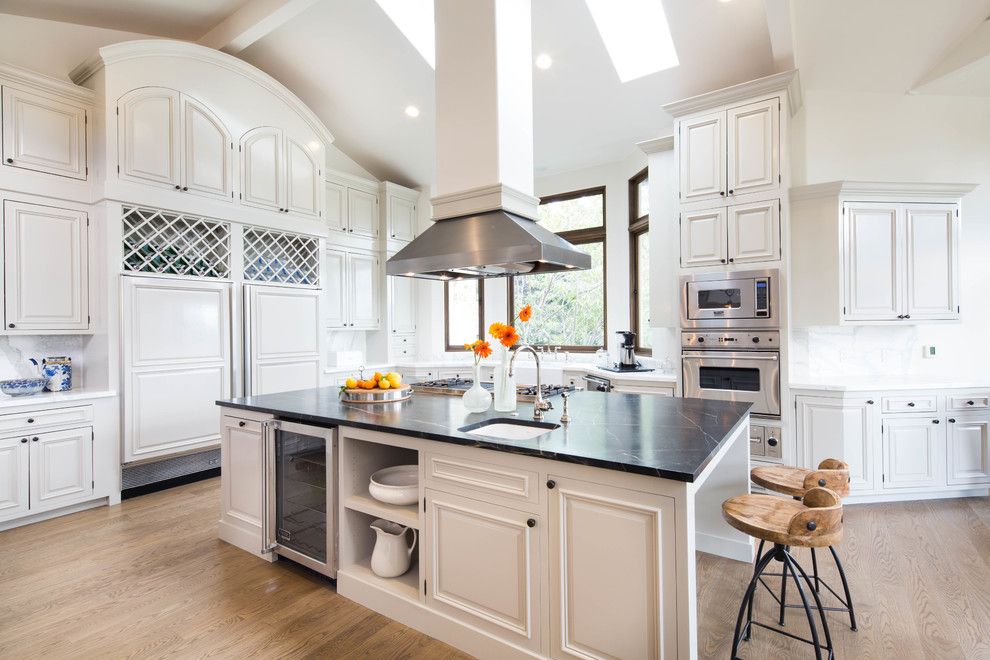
[(149, 579)]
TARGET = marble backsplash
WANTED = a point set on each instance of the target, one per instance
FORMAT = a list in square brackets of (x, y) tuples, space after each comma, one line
[(16, 350)]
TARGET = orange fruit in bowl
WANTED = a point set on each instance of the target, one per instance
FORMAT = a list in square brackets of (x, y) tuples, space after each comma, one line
[(368, 384), (377, 377)]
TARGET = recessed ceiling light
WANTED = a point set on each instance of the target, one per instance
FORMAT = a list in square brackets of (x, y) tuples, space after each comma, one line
[(636, 35), (414, 18), (544, 61), (412, 111)]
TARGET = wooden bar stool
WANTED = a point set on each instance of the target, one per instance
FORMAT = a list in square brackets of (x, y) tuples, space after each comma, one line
[(813, 522), (794, 481)]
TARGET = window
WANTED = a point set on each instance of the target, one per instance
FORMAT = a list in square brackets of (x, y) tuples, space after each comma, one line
[(639, 259), (463, 302), (570, 305)]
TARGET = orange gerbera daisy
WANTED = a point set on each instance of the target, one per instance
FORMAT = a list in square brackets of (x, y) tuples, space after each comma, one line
[(496, 330), (510, 337), (482, 349), (526, 313)]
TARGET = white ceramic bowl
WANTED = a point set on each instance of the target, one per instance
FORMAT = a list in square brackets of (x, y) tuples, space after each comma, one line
[(396, 485)]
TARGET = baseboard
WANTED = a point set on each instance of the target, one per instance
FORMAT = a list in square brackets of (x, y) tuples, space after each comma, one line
[(169, 483), (908, 496), (738, 549), (243, 539), (55, 513)]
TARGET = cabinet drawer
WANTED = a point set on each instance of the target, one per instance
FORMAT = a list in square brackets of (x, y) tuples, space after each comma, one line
[(512, 483), (909, 404), (248, 425), (18, 422), (968, 401)]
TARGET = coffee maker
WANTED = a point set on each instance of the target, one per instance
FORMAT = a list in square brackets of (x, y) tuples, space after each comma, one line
[(627, 354)]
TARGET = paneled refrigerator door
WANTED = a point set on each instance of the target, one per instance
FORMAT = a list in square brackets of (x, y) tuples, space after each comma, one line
[(281, 339)]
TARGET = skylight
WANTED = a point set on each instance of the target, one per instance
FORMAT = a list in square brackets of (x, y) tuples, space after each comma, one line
[(414, 18), (636, 36)]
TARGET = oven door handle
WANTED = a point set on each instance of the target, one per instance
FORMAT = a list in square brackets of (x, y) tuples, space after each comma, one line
[(723, 356)]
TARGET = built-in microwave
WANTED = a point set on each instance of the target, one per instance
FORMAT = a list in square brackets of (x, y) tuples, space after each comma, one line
[(741, 299)]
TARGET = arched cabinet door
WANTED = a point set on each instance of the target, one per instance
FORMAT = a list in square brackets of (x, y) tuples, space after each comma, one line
[(206, 154), (262, 167), (148, 136), (303, 179)]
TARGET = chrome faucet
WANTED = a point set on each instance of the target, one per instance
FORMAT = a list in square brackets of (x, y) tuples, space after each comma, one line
[(539, 405)]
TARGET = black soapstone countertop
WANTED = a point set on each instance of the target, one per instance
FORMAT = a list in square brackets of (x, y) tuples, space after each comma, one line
[(647, 434)]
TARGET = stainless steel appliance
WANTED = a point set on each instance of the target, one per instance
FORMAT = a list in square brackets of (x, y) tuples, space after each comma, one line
[(733, 366), (764, 441), (300, 521), (741, 299), (627, 355), (455, 386), (598, 384)]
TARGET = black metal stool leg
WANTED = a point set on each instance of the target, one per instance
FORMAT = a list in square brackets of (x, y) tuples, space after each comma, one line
[(748, 597), (749, 613), (783, 591), (845, 587), (818, 604), (814, 569), (790, 564)]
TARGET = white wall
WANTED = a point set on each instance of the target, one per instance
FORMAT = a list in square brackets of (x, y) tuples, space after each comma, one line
[(893, 137)]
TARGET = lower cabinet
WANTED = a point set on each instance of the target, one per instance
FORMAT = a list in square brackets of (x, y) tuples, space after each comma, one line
[(968, 449), (913, 451), (612, 572), (242, 498), (484, 566), (45, 471), (840, 428)]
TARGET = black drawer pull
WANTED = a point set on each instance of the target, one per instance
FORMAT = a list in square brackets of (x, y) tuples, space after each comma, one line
[(910, 404), (531, 523), (30, 420), (242, 423), (551, 483)]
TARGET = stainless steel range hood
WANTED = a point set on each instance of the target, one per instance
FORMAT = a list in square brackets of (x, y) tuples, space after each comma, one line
[(491, 244), (484, 207)]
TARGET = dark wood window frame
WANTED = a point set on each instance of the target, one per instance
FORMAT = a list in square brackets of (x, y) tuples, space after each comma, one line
[(638, 225), (446, 315), (577, 237)]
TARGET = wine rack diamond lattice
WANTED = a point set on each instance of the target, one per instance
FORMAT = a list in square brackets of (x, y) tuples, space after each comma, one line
[(157, 241), (278, 257)]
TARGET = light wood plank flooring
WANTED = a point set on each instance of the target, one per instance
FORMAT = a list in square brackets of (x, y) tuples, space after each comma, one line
[(149, 579)]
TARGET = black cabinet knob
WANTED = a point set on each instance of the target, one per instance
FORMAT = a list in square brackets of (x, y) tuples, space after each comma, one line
[(10, 325), (185, 188), (241, 423), (907, 316), (24, 439), (10, 161), (952, 420), (935, 421), (531, 523), (551, 483), (722, 193), (30, 420), (900, 316), (731, 260), (178, 187), (731, 191), (723, 261), (970, 403), (910, 404), (34, 439), (870, 401)]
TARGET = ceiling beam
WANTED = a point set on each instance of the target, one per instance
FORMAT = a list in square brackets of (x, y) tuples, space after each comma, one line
[(253, 21), (972, 49), (779, 26)]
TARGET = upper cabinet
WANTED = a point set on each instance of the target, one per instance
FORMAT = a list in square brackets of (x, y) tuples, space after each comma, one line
[(702, 157), (401, 217), (875, 253), (167, 138), (740, 234), (353, 205), (280, 174), (44, 133)]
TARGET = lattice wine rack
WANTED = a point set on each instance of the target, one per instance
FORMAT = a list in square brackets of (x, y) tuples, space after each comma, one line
[(157, 241), (277, 257)]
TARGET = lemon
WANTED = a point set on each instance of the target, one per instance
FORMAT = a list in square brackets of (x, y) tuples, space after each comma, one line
[(384, 384), (394, 379), (350, 383)]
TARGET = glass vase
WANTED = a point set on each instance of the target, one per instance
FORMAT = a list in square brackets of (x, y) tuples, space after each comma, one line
[(477, 399), (505, 385)]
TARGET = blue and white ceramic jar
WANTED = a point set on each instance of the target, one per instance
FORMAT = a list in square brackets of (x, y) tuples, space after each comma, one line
[(58, 372)]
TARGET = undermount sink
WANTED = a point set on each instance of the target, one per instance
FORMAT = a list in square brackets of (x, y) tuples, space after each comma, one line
[(509, 429)]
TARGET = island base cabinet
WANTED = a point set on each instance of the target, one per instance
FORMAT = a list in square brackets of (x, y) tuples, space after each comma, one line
[(612, 572), (483, 566), (242, 496)]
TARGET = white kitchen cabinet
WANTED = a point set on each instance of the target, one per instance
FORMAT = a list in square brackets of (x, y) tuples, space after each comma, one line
[(149, 136), (931, 262), (282, 339), (46, 276), (702, 157), (612, 572), (303, 180), (753, 154), (703, 237), (754, 232), (913, 452), (364, 290), (61, 470), (483, 566), (14, 489), (335, 195), (262, 166), (44, 133), (968, 449), (402, 305), (206, 151), (400, 211), (362, 213), (845, 429), (874, 262), (335, 288), (242, 493)]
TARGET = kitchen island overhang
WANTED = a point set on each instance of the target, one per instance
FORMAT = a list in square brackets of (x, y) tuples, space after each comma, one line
[(614, 503)]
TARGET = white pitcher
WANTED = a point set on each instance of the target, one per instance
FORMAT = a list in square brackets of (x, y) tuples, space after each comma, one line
[(391, 557)]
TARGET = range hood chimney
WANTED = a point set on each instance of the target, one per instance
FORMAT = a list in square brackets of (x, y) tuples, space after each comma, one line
[(485, 210)]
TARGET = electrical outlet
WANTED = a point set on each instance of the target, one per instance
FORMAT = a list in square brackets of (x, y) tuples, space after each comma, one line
[(928, 352)]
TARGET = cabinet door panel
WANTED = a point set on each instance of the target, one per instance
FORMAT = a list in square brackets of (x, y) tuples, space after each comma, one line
[(45, 268), (148, 136), (504, 598), (873, 290), (13, 478), (363, 290), (262, 168), (401, 218), (303, 179), (242, 461), (932, 234), (702, 158), (43, 134), (753, 142), (703, 238), (612, 567), (844, 429), (912, 453), (968, 450), (362, 213), (61, 468), (402, 293), (336, 206), (754, 232), (335, 289), (206, 154)]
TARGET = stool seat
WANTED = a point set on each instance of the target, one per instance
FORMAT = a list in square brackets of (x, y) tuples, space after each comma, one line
[(796, 481), (815, 522)]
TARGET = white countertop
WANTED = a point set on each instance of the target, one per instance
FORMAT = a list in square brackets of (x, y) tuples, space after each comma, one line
[(887, 382), (48, 398)]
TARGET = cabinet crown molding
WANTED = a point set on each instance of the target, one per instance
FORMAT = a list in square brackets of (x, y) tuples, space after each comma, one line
[(877, 189), (391, 188), (18, 75), (657, 145), (129, 50), (786, 81), (352, 181)]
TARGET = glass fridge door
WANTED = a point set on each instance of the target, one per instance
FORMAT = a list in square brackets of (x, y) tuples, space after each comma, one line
[(301, 483)]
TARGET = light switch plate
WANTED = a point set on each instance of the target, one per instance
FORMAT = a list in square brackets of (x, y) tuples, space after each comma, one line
[(928, 352)]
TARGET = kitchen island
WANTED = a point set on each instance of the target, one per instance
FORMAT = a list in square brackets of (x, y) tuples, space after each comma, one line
[(579, 541)]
